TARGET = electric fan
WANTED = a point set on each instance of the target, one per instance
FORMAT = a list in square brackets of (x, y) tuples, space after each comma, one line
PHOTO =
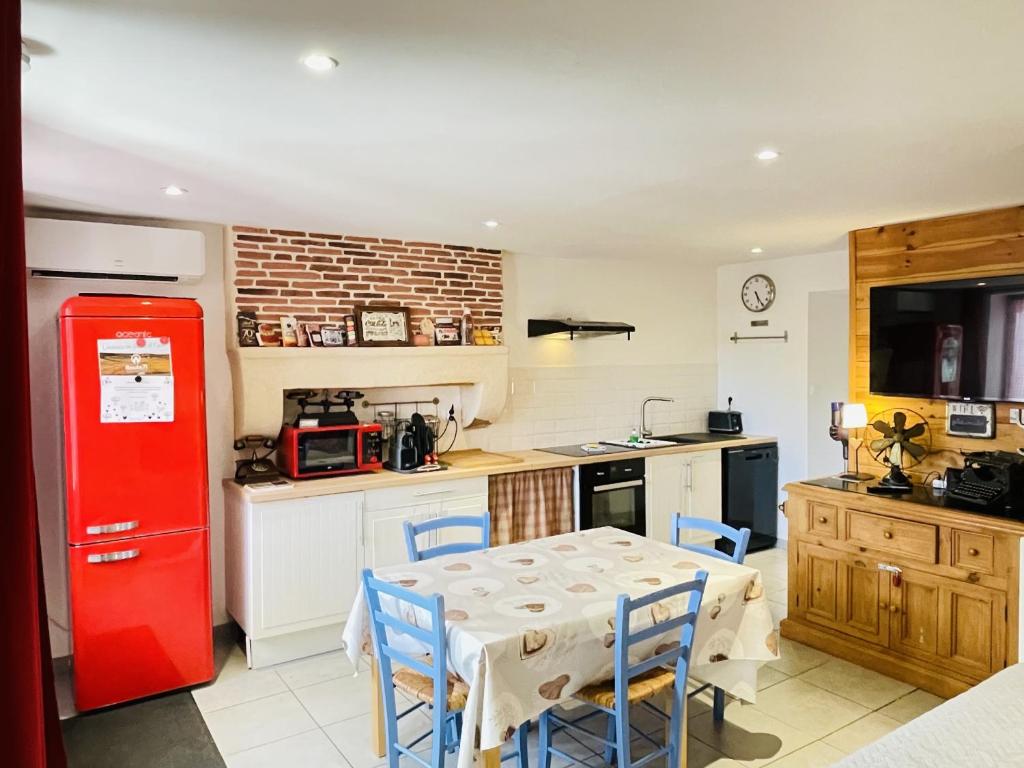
[(900, 440)]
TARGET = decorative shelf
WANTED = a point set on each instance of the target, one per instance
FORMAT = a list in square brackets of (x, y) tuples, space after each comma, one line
[(262, 374)]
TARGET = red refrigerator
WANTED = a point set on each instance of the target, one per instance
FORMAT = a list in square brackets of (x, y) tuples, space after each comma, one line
[(137, 496)]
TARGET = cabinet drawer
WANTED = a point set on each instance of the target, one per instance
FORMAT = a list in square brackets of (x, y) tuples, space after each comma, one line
[(823, 519), (973, 551), (917, 541), (424, 493)]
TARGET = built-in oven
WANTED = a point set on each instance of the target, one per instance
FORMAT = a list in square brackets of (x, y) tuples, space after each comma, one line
[(611, 493)]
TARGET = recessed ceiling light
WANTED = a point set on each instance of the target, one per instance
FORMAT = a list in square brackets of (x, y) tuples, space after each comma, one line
[(982, 283), (492, 224), (768, 154), (757, 249), (175, 191), (320, 62)]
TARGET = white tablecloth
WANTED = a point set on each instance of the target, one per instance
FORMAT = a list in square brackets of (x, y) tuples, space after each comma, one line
[(530, 624)]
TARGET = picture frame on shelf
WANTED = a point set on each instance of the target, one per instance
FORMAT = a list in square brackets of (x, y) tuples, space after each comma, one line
[(447, 332), (332, 335), (313, 333), (382, 326)]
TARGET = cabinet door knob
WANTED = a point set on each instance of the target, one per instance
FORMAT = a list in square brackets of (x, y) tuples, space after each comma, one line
[(883, 605), (887, 534), (894, 609), (972, 552), (822, 519)]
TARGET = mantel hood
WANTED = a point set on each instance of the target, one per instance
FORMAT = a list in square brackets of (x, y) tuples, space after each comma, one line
[(262, 374)]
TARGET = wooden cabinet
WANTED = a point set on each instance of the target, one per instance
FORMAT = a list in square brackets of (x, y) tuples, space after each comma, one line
[(687, 483), (927, 595), (844, 592)]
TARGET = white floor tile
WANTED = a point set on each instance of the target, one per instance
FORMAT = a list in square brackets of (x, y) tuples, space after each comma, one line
[(338, 699), (312, 749), (862, 732), (316, 669), (813, 710), (257, 722), (816, 755), (864, 686), (910, 706), (352, 737), (796, 658), (748, 735), (235, 688), (768, 676)]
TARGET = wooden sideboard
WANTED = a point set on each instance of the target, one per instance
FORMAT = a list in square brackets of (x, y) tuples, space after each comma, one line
[(920, 592)]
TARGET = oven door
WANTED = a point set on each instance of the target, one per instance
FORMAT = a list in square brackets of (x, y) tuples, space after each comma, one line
[(326, 450), (620, 505)]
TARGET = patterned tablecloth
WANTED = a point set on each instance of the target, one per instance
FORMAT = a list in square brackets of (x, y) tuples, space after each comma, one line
[(530, 624)]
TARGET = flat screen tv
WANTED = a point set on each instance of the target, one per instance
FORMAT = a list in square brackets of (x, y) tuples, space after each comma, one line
[(951, 340)]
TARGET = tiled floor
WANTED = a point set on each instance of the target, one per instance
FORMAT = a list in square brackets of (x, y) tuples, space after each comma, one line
[(811, 710)]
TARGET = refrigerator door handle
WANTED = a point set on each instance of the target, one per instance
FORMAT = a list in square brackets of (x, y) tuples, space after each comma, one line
[(113, 557), (128, 525)]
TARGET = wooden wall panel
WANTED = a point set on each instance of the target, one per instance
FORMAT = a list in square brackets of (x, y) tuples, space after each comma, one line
[(951, 247)]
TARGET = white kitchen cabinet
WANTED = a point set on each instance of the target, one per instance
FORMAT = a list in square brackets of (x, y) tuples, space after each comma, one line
[(687, 483), (387, 510), (292, 572), (384, 534), (475, 506)]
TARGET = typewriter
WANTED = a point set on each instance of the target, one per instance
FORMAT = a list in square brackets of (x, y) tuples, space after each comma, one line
[(991, 481)]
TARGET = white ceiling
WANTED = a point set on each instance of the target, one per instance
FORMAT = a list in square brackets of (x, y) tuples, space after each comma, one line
[(587, 127)]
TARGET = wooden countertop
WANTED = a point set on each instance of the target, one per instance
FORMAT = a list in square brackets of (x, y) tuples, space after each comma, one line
[(522, 461)]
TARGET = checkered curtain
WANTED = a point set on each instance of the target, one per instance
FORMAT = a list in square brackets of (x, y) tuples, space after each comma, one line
[(530, 505)]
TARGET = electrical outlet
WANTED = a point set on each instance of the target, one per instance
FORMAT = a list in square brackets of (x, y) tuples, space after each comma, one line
[(1015, 417)]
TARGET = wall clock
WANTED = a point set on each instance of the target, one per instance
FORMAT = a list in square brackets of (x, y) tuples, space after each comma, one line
[(758, 293)]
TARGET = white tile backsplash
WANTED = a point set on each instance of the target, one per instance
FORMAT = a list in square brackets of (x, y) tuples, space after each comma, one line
[(560, 406)]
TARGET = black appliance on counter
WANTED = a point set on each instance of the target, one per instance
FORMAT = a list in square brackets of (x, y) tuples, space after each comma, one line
[(413, 447), (612, 493), (991, 481), (750, 492)]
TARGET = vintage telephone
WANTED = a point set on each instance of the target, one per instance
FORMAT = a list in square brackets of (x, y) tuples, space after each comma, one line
[(255, 468)]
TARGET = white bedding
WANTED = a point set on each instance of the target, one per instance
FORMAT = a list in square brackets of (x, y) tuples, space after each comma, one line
[(981, 728)]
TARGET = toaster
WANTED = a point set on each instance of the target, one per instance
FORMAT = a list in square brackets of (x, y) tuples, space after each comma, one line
[(725, 421)]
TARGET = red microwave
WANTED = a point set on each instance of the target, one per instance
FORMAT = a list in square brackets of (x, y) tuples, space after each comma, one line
[(332, 450)]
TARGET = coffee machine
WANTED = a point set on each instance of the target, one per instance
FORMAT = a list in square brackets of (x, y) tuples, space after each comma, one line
[(413, 447)]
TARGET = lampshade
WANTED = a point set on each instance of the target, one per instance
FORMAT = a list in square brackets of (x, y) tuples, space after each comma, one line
[(855, 416)]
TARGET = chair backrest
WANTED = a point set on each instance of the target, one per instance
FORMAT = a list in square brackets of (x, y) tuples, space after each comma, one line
[(682, 623), (740, 537), (394, 635), (412, 530)]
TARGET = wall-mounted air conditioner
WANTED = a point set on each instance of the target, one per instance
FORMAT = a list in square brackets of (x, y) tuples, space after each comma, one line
[(102, 251)]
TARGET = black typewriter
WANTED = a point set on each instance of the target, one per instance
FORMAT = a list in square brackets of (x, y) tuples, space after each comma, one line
[(991, 481)]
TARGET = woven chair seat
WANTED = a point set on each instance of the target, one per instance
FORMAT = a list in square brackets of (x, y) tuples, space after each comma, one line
[(641, 687), (422, 687)]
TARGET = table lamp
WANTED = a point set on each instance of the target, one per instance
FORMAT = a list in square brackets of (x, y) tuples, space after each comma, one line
[(854, 417)]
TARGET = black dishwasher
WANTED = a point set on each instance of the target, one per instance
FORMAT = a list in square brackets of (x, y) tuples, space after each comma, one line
[(750, 492)]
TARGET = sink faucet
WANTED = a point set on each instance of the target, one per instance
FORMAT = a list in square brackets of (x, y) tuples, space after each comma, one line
[(644, 431)]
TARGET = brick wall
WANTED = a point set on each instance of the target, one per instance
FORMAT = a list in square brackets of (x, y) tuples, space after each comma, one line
[(319, 277)]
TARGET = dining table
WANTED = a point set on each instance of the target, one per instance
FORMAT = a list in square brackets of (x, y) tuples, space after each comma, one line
[(529, 624)]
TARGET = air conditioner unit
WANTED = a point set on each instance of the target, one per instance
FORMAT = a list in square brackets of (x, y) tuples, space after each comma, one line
[(102, 251)]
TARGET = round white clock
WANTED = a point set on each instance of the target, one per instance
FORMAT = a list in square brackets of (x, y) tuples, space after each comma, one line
[(758, 293)]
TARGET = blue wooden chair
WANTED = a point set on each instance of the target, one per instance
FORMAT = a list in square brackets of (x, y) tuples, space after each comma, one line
[(741, 539), (422, 677), (638, 682), (483, 522)]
